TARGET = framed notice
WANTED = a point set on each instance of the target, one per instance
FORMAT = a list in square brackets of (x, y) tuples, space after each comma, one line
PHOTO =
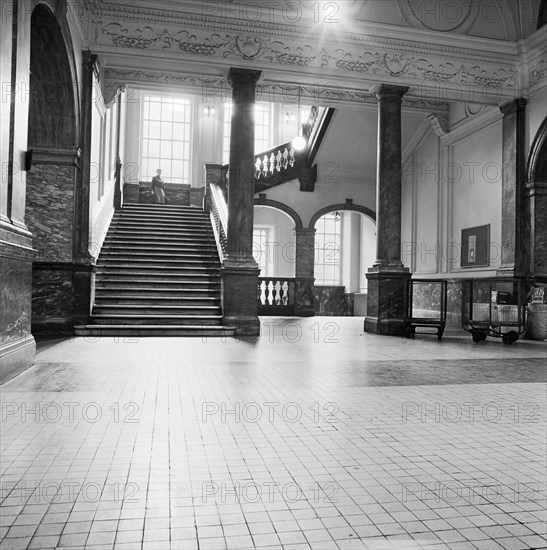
[(475, 246)]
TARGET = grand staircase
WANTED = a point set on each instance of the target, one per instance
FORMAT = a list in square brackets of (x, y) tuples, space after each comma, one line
[(157, 275)]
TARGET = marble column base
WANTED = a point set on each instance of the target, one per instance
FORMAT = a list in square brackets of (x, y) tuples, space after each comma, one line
[(16, 358), (62, 296), (304, 302), (536, 321), (239, 297), (386, 301)]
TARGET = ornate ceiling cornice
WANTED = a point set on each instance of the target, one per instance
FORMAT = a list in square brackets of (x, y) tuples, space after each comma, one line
[(434, 65)]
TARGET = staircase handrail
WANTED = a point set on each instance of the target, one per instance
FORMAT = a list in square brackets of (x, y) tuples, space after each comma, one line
[(218, 210), (317, 125)]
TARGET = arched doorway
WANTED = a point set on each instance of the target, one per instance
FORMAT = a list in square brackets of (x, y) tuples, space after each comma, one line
[(274, 249), (52, 179), (345, 246), (536, 194)]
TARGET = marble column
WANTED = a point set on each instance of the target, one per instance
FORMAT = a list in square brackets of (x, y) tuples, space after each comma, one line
[(304, 305), (240, 271), (514, 249), (386, 278)]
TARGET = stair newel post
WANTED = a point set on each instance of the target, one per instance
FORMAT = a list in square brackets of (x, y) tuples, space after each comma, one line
[(240, 270)]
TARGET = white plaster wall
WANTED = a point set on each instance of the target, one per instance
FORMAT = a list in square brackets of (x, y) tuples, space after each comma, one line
[(426, 186), (476, 192), (280, 253)]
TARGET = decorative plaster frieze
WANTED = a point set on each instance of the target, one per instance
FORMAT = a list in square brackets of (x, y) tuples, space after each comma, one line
[(429, 69), (537, 75)]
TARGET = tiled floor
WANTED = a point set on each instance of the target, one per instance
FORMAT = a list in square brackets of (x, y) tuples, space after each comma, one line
[(314, 436)]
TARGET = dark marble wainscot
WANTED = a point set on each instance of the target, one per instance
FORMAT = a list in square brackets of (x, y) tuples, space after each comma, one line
[(175, 193), (17, 346), (333, 301), (62, 294)]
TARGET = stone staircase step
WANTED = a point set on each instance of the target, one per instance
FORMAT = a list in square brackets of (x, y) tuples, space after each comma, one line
[(121, 291), (160, 232), (154, 309), (116, 330), (140, 269), (155, 255), (157, 319), (177, 239), (200, 286), (157, 301), (147, 277), (153, 260), (170, 249), (158, 274)]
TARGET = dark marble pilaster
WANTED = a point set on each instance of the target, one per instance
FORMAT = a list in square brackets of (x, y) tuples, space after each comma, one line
[(240, 270), (386, 279), (82, 191), (304, 303), (514, 251), (536, 209)]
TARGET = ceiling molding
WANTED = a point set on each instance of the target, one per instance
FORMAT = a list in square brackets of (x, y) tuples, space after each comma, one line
[(218, 88)]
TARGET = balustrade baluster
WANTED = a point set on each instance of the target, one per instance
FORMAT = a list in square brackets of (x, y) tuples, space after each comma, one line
[(270, 293), (285, 288), (262, 292)]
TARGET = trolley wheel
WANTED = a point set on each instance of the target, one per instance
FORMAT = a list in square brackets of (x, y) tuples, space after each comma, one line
[(510, 337), (479, 336)]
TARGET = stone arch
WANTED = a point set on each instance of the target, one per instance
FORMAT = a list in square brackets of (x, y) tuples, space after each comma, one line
[(263, 201), (53, 102), (537, 160), (347, 206)]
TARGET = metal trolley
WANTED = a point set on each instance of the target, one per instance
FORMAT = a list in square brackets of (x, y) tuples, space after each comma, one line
[(425, 305), (494, 307)]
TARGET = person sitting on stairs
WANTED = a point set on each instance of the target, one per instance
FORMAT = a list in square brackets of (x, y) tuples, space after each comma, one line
[(157, 188)]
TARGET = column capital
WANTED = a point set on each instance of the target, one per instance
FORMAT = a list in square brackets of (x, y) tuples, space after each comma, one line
[(388, 91), (513, 106), (304, 231), (238, 76)]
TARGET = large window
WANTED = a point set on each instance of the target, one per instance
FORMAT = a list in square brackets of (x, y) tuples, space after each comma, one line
[(263, 128), (167, 125), (327, 249)]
